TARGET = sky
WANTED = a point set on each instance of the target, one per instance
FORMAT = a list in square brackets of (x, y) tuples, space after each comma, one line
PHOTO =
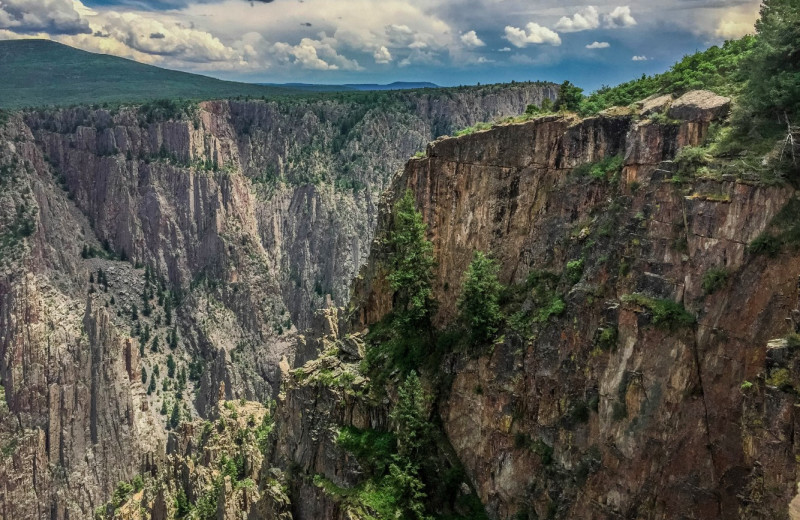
[(448, 42)]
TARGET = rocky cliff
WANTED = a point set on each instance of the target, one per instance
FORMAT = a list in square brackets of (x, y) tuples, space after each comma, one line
[(646, 366), (156, 258)]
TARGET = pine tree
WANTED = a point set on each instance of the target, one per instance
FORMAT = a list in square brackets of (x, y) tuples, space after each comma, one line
[(170, 366), (773, 67), (480, 296), (412, 263), (168, 312), (152, 387), (569, 97), (175, 418), (144, 375), (164, 407)]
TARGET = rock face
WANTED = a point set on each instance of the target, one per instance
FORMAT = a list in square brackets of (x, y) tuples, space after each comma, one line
[(604, 407), (155, 258), (700, 105)]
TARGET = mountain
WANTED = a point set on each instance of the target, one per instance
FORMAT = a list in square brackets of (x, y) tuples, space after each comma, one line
[(46, 73), (397, 85)]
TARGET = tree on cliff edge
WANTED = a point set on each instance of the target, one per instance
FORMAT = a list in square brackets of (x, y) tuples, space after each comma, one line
[(773, 67), (411, 263)]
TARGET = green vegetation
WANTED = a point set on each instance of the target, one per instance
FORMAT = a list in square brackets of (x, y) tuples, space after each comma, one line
[(664, 313), (782, 233), (477, 127), (715, 69), (412, 263), (570, 98), (608, 168), (480, 296), (714, 279), (773, 65), (780, 378)]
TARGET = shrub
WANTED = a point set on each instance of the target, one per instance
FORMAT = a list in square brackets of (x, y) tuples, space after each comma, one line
[(714, 279), (574, 270), (665, 313), (608, 168), (765, 244)]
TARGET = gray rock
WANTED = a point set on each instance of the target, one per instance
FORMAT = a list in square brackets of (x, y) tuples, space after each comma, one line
[(700, 105)]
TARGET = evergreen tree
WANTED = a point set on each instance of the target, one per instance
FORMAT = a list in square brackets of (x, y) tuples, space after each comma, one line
[(152, 387), (569, 97), (164, 407), (412, 263), (168, 311), (144, 375), (170, 366), (773, 66), (480, 296), (182, 379), (154, 346), (175, 418)]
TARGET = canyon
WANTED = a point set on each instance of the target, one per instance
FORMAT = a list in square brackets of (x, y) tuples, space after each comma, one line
[(201, 237), (646, 367)]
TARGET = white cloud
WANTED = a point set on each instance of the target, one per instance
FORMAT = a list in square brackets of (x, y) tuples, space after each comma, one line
[(50, 16), (504, 49), (470, 39), (640, 58), (151, 36), (583, 20), (533, 33), (382, 55), (598, 45), (619, 17), (314, 55)]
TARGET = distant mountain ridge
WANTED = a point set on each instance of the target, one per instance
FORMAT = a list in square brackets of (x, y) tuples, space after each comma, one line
[(46, 73), (397, 85)]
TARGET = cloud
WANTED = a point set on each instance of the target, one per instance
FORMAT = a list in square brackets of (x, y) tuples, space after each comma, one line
[(640, 58), (504, 49), (382, 55), (49, 16), (736, 23), (470, 39), (533, 33), (583, 20), (314, 55), (152, 36), (619, 17), (598, 45)]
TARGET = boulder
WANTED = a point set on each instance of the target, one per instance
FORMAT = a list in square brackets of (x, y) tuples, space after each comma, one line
[(654, 104), (700, 105)]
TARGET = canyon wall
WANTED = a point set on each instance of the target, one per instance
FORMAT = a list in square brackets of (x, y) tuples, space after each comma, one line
[(156, 259), (625, 381)]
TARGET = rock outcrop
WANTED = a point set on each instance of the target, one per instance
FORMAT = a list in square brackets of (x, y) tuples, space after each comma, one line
[(640, 387)]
